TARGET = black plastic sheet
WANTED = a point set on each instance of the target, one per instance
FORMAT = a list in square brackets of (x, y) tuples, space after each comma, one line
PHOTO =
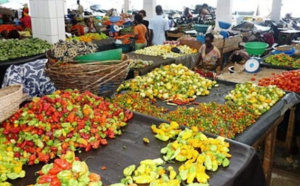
[(128, 149), (255, 131)]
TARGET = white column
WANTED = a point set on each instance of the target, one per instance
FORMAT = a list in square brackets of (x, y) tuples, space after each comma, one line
[(47, 18), (149, 7), (126, 5), (224, 11), (276, 10)]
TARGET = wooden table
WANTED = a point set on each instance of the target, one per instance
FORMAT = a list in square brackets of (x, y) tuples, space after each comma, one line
[(242, 77)]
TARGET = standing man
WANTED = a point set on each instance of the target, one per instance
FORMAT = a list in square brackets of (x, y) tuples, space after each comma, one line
[(158, 28), (80, 8)]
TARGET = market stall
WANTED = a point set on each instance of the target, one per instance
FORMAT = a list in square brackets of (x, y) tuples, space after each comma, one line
[(130, 149), (14, 52), (174, 52), (253, 133), (282, 61)]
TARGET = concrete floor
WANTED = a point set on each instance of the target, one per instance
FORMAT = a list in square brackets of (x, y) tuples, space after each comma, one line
[(286, 171), (282, 178)]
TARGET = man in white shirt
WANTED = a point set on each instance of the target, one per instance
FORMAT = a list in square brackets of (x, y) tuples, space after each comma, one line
[(158, 27), (80, 8)]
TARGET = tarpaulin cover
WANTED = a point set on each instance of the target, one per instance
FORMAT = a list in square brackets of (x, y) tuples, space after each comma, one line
[(129, 149), (255, 131)]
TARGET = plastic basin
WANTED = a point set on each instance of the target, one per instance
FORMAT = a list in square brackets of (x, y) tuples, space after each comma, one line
[(224, 25), (201, 28), (115, 19), (256, 48), (108, 55), (289, 52)]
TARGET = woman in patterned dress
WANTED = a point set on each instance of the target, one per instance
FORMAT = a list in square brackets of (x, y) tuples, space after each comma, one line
[(210, 57)]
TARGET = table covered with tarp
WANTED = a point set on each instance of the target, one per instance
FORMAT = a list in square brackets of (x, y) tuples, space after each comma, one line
[(128, 149), (255, 131)]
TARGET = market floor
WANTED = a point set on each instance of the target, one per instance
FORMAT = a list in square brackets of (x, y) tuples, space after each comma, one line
[(286, 169)]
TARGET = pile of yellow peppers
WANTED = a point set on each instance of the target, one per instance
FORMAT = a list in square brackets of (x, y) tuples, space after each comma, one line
[(10, 168), (197, 152), (165, 51), (258, 97), (150, 172), (173, 83), (166, 131)]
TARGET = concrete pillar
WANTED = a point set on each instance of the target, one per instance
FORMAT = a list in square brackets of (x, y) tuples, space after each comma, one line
[(224, 11), (126, 5), (149, 7), (47, 18), (276, 10)]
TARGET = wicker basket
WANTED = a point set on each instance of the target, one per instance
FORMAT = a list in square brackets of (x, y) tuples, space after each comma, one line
[(99, 78), (10, 99)]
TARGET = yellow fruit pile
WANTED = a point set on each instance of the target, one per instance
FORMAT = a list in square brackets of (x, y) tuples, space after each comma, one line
[(165, 51), (260, 98), (174, 83)]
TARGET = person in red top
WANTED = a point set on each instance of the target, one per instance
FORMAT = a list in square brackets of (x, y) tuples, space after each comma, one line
[(140, 32), (26, 19), (77, 29)]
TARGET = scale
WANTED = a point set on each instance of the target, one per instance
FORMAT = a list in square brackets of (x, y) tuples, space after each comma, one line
[(224, 26), (255, 49), (201, 30), (253, 64)]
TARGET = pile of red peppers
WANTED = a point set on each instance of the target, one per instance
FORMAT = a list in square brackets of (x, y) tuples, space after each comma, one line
[(63, 121)]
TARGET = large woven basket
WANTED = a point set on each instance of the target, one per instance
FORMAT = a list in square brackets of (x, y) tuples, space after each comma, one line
[(10, 99), (101, 78)]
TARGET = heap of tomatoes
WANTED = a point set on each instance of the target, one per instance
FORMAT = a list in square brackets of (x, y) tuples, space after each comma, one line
[(289, 80), (63, 121)]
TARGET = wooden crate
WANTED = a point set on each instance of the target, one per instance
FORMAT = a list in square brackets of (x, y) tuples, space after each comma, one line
[(175, 35), (191, 43)]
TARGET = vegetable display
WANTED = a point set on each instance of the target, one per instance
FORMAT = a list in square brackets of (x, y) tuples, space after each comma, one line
[(261, 99), (289, 81), (67, 50), (166, 51), (67, 170), (63, 121), (14, 48), (194, 150), (133, 101), (199, 154), (225, 120), (89, 37), (9, 27), (283, 60), (173, 83), (10, 167), (138, 63)]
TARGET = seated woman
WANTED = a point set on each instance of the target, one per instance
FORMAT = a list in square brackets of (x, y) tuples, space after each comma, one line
[(91, 25), (210, 57), (140, 32)]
